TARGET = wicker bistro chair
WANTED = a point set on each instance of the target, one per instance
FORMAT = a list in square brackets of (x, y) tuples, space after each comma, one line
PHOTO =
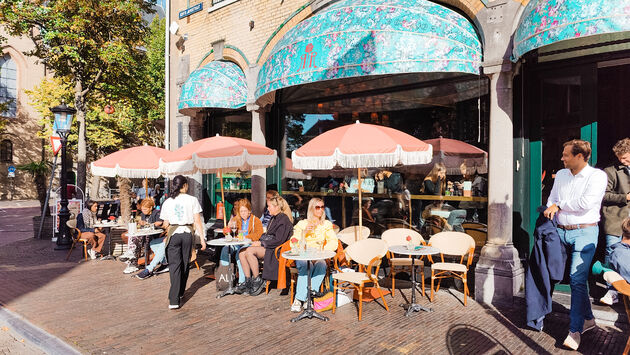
[(76, 237), (353, 234), (398, 236), (456, 244), (623, 287), (480, 236), (368, 254)]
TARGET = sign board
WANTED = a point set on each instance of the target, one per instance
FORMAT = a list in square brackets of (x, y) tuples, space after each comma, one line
[(55, 141), (11, 170), (191, 10)]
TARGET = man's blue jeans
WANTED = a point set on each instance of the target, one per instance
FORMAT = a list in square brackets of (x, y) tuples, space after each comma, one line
[(580, 244), (225, 257), (610, 240), (159, 251), (318, 271)]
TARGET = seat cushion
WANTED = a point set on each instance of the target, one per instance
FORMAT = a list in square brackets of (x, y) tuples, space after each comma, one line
[(449, 267), (354, 277), (405, 262)]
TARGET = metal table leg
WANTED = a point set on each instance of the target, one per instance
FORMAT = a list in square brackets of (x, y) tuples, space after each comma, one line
[(413, 306), (108, 235), (309, 312)]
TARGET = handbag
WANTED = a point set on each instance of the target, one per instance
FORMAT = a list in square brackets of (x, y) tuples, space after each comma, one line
[(324, 303), (224, 276)]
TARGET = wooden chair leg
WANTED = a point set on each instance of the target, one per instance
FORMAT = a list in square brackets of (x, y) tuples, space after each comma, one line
[(465, 289), (292, 288), (197, 264), (267, 287), (422, 277), (437, 288), (432, 282), (382, 297), (360, 300), (393, 274), (70, 251), (334, 306)]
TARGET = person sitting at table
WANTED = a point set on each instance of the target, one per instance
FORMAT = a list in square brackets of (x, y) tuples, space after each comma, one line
[(147, 217), (435, 182), (159, 258), (279, 230), (266, 216), (251, 227), (86, 225), (317, 231), (365, 210), (436, 206)]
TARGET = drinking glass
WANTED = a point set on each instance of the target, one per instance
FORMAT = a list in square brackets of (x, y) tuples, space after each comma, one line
[(320, 245)]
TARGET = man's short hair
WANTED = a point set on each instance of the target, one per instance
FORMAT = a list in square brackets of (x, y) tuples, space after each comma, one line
[(622, 147), (579, 146), (625, 228)]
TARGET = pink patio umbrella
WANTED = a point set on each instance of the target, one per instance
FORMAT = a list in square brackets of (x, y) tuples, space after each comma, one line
[(137, 162), (217, 155), (292, 173), (361, 145), (453, 153)]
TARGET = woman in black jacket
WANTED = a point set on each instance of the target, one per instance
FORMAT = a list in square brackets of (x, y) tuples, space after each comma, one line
[(279, 230)]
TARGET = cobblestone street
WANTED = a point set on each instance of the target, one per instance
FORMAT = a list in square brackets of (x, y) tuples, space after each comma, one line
[(96, 309)]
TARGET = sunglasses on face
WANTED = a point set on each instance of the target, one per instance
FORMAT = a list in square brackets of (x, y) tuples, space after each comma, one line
[(319, 207)]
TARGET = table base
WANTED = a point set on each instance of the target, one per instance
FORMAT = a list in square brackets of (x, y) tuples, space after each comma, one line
[(108, 257), (229, 291), (309, 313), (414, 307)]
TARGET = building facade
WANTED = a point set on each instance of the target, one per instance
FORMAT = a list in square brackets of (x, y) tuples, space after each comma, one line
[(513, 78), (19, 143)]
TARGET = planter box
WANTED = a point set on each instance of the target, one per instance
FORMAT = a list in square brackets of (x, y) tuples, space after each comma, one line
[(47, 229)]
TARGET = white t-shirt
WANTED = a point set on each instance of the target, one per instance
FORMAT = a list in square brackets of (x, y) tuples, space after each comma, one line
[(180, 210)]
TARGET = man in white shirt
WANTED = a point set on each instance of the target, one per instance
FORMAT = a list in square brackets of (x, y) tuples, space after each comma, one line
[(575, 200)]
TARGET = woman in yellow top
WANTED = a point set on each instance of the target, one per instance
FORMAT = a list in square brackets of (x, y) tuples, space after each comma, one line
[(317, 231)]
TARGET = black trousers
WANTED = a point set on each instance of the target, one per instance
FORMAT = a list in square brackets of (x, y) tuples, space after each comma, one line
[(178, 255)]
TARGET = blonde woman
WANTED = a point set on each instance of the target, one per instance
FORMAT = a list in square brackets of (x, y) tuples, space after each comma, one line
[(279, 230), (317, 232), (435, 182)]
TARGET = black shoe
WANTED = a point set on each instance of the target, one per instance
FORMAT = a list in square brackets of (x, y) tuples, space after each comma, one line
[(258, 284), (162, 269), (144, 274), (242, 287)]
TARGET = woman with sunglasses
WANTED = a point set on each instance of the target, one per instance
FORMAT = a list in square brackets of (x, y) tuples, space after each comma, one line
[(317, 231)]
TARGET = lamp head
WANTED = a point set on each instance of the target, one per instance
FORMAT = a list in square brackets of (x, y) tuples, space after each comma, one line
[(63, 118)]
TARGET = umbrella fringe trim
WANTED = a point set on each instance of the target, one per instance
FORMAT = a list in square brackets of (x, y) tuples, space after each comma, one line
[(375, 160), (244, 162), (123, 172)]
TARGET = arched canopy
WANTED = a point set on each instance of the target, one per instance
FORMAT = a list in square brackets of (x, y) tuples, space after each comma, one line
[(218, 84), (549, 21), (353, 38)]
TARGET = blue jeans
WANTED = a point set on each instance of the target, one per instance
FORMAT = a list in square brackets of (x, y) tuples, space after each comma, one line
[(610, 240), (318, 271), (580, 244), (225, 257), (159, 251)]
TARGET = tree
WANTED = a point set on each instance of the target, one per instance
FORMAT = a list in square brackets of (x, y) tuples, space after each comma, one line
[(93, 44)]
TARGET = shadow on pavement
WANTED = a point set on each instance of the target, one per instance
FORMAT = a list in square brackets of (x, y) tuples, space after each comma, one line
[(468, 339)]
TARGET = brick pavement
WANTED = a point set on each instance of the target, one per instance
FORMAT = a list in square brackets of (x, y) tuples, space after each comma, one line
[(94, 307)]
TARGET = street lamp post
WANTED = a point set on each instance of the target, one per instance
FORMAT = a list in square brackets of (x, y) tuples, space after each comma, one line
[(63, 123)]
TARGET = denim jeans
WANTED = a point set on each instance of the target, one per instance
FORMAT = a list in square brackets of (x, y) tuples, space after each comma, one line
[(224, 259), (610, 240), (159, 251), (318, 271), (580, 244)]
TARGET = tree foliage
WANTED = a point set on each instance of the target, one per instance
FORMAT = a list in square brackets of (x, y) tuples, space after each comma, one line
[(94, 45)]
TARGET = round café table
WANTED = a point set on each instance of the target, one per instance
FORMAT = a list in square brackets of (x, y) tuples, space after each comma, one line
[(107, 228), (222, 242), (420, 251), (309, 255), (147, 233)]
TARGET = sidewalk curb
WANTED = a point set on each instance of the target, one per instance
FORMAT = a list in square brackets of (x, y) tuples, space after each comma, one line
[(47, 342)]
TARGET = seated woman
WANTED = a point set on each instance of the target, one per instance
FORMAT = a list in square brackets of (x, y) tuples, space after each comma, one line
[(279, 230), (251, 227), (435, 182), (317, 231), (134, 244), (95, 236)]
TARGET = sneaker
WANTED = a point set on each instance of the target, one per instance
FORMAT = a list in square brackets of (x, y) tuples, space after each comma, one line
[(92, 254), (572, 341), (144, 274), (588, 325), (241, 288), (257, 286), (130, 269), (162, 269), (296, 307), (611, 297), (126, 256), (173, 306)]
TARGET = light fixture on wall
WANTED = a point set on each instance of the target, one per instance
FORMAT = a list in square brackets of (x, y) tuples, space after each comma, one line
[(251, 25)]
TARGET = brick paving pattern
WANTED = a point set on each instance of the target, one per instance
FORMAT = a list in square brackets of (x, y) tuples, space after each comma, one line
[(96, 309)]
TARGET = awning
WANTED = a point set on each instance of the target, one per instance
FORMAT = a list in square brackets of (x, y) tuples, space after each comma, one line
[(353, 38), (548, 21), (218, 84)]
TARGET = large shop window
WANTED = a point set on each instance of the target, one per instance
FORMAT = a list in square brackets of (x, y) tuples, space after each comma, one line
[(8, 85), (428, 106)]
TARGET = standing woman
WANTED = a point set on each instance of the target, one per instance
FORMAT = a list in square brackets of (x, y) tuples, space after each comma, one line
[(279, 230), (181, 214)]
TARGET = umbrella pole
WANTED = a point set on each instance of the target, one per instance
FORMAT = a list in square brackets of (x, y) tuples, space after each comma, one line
[(222, 197), (360, 206), (146, 189), (410, 213)]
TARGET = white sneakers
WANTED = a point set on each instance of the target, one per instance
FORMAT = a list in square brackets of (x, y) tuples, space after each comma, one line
[(572, 341), (588, 325), (611, 297), (296, 307), (130, 269), (92, 254)]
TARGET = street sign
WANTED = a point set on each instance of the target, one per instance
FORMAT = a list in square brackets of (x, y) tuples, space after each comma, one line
[(11, 170), (191, 10), (55, 141)]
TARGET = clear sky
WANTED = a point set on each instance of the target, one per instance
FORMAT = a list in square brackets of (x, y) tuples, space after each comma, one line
[(311, 119)]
